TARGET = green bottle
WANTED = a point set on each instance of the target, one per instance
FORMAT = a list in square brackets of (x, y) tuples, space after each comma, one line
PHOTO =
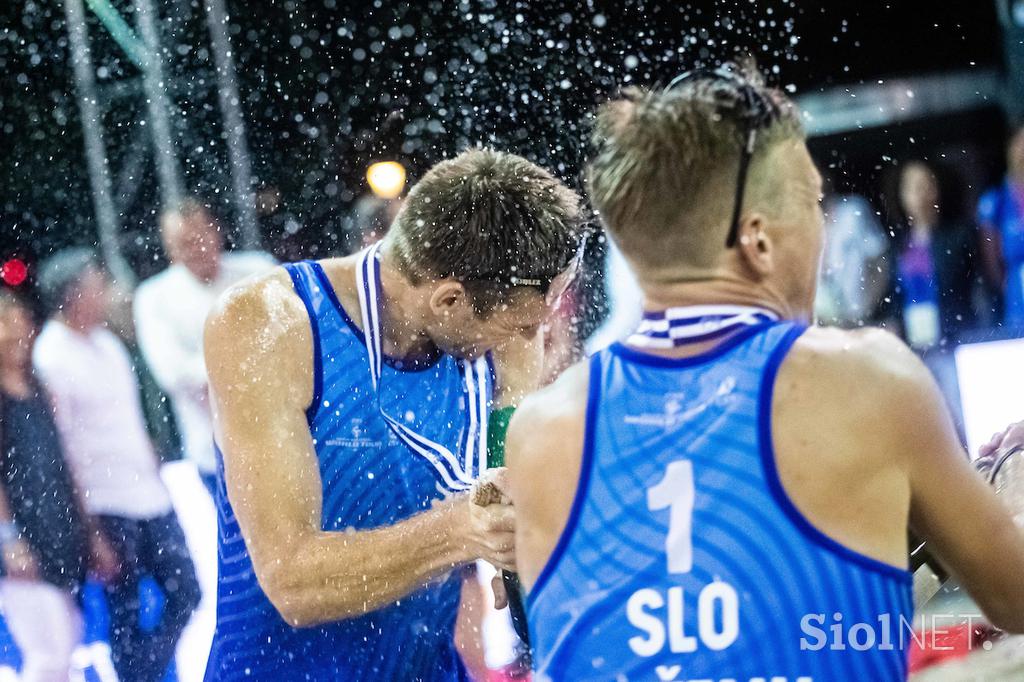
[(497, 428)]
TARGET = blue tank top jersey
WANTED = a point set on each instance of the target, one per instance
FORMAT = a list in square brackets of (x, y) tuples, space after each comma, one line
[(1002, 209), (370, 479), (683, 558)]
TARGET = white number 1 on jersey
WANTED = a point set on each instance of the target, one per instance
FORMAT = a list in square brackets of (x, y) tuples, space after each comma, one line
[(675, 491)]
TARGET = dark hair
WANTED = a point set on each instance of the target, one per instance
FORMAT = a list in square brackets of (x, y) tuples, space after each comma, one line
[(59, 273), (487, 218), (948, 186)]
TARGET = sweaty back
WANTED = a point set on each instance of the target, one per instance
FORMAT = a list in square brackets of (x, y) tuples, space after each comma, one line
[(684, 559)]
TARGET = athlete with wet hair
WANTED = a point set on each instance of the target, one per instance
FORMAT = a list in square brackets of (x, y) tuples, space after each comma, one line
[(350, 399), (732, 486)]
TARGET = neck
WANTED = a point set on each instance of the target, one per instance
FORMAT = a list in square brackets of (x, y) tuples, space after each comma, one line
[(923, 220), (402, 325), (201, 277), (720, 289), (75, 322)]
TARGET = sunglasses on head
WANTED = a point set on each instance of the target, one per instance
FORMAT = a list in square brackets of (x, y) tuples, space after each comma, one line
[(752, 109), (551, 286)]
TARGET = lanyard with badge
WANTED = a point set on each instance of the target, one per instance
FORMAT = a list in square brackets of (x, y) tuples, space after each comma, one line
[(457, 472)]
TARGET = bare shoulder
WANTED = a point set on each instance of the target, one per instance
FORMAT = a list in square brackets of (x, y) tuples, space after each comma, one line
[(258, 327), (844, 407), (549, 423), (267, 304), (559, 405), (850, 379), (871, 359)]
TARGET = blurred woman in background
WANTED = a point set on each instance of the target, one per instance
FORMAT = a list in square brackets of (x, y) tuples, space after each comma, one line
[(935, 271), (44, 535)]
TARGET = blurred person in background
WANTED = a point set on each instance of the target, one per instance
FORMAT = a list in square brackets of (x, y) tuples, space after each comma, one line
[(156, 406), (88, 373), (854, 270), (935, 270), (1001, 217), (367, 222), (935, 276), (170, 309), (46, 538), (278, 225)]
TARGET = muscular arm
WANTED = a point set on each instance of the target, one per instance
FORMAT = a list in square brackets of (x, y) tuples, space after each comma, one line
[(966, 527), (258, 351), (543, 453), (858, 412), (950, 507)]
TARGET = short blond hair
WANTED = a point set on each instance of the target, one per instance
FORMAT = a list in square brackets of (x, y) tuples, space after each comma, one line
[(664, 166)]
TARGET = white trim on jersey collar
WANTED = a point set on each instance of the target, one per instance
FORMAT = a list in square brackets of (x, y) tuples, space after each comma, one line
[(682, 325), (457, 474)]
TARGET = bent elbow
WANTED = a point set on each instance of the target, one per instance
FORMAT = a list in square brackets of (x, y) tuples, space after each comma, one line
[(303, 609), (288, 597), (289, 606), (300, 603)]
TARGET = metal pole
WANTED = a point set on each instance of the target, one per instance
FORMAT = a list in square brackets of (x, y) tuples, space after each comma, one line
[(231, 110), (119, 30), (1011, 17), (158, 106), (95, 152)]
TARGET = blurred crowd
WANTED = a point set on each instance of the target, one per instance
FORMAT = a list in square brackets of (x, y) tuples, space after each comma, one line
[(111, 384), (85, 425), (932, 273), (925, 270)]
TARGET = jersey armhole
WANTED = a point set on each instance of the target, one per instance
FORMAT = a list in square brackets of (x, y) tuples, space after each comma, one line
[(302, 291), (774, 482), (582, 484)]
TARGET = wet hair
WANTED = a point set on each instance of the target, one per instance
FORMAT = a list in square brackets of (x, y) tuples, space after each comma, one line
[(486, 218), (61, 272), (664, 164)]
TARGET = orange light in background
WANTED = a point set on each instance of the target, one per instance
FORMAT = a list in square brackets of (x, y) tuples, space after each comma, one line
[(386, 179), (14, 272)]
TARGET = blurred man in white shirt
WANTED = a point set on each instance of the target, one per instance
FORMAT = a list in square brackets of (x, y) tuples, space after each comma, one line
[(89, 376), (170, 309)]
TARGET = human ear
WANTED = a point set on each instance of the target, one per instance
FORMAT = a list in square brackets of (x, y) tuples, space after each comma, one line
[(755, 247), (446, 298)]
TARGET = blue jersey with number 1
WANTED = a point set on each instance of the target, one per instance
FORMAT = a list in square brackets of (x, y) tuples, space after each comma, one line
[(369, 479), (683, 558)]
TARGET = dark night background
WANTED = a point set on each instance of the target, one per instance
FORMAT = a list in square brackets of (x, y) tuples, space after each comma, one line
[(328, 86)]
